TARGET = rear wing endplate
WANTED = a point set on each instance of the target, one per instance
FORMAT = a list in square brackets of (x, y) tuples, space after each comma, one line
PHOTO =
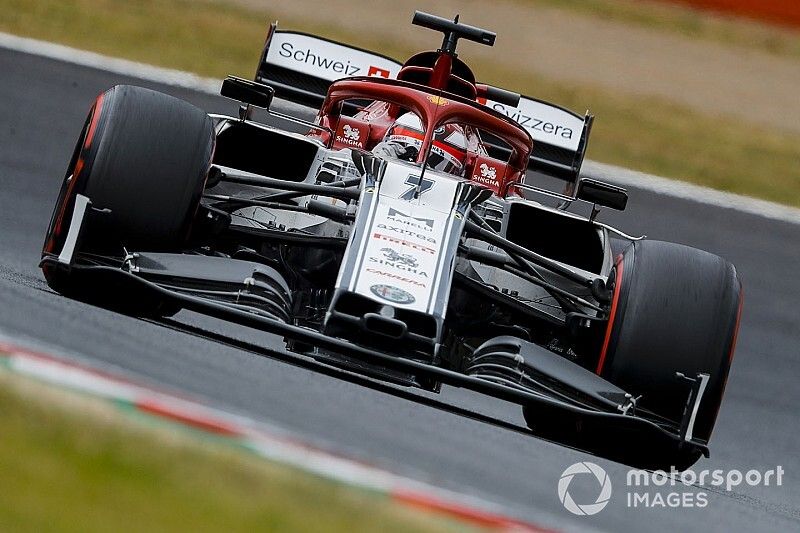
[(301, 67)]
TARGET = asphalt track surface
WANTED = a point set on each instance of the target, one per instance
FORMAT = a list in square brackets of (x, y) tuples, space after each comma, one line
[(43, 104)]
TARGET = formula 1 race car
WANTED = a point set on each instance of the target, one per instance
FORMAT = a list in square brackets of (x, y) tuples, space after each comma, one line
[(403, 237)]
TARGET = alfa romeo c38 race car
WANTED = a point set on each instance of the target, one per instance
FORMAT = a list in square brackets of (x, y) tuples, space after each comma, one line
[(403, 235)]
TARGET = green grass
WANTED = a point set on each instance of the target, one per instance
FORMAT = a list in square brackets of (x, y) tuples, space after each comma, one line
[(684, 20), (657, 137), (647, 134), (71, 463)]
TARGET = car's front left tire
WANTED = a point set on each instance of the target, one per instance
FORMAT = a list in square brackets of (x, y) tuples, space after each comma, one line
[(143, 157), (674, 309)]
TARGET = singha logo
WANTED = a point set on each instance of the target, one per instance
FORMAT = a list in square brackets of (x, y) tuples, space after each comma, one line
[(350, 136), (488, 172), (391, 255), (351, 133)]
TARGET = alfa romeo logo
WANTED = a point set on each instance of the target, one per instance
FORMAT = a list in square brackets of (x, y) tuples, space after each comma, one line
[(392, 294), (584, 471)]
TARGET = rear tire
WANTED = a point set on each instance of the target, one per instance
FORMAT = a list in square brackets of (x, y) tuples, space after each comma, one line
[(143, 155), (675, 309)]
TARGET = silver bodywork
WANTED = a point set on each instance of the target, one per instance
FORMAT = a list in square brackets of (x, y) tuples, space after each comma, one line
[(364, 264)]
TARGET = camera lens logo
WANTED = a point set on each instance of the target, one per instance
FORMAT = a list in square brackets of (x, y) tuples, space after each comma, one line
[(589, 471)]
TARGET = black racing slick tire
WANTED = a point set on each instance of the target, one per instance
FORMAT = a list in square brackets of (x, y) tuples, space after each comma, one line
[(674, 309), (144, 157)]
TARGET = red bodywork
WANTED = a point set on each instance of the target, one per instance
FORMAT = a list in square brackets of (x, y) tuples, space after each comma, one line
[(434, 107)]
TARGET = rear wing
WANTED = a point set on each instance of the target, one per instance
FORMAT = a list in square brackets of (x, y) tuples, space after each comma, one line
[(560, 136), (301, 67)]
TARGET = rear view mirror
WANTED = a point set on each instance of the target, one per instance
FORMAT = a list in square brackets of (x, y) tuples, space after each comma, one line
[(601, 193), (247, 91)]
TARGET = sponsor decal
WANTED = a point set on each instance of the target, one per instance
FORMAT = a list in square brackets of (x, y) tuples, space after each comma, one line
[(377, 71), (399, 265), (407, 232), (315, 58), (532, 123), (397, 277), (486, 175), (406, 259), (401, 218), (487, 171), (485, 181), (392, 294), (403, 242), (352, 133), (545, 122), (325, 59), (350, 136), (414, 182), (438, 100), (401, 245)]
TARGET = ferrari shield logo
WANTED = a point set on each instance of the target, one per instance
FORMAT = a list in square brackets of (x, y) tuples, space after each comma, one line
[(438, 100)]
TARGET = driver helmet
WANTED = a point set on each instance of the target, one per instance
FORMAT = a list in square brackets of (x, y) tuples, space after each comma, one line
[(449, 149)]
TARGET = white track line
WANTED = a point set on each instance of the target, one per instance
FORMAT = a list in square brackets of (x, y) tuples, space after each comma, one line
[(187, 80), (695, 193), (175, 78)]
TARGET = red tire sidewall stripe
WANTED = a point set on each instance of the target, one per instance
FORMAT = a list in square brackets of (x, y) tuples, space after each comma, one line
[(79, 165), (98, 107), (733, 348), (612, 315)]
